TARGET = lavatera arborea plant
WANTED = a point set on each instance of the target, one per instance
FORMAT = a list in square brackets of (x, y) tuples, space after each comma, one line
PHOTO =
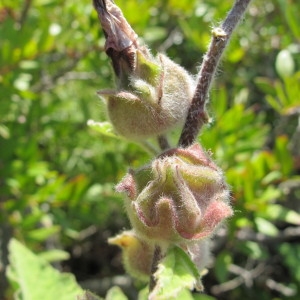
[(176, 202)]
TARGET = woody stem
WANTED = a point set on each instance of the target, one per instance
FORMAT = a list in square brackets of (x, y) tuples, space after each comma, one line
[(197, 115)]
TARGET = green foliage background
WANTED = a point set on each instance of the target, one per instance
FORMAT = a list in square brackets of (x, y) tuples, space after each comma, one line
[(57, 175)]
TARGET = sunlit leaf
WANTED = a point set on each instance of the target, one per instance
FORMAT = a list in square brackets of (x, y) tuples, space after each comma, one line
[(41, 234), (105, 128), (266, 85), (36, 279), (265, 227), (253, 250), (54, 255), (87, 295), (280, 213), (175, 274), (115, 293), (221, 269)]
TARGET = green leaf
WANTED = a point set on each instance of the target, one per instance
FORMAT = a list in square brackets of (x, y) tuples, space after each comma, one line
[(105, 128), (253, 250), (176, 273), (115, 293), (290, 12), (274, 103), (265, 85), (223, 261), (265, 227), (4, 132), (87, 295), (278, 212), (154, 33), (291, 257), (283, 153), (143, 293), (269, 194), (54, 255), (36, 279), (183, 295), (42, 234)]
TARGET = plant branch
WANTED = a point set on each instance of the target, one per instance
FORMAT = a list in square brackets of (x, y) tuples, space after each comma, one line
[(163, 142), (157, 256), (244, 276), (286, 235), (197, 115), (24, 13)]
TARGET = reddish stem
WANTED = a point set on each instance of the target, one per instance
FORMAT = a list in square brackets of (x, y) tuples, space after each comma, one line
[(197, 115)]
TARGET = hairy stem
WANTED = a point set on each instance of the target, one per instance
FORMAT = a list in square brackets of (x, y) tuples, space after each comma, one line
[(155, 262), (163, 142), (197, 115)]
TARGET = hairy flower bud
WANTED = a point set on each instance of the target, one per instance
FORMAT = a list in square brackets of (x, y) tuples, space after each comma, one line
[(181, 196), (137, 254), (153, 94)]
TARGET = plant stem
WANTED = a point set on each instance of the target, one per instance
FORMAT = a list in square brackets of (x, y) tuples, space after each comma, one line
[(157, 256), (163, 142), (24, 13), (197, 115)]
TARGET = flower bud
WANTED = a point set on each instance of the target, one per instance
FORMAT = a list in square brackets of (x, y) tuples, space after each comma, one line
[(157, 99), (137, 254), (180, 197), (153, 94)]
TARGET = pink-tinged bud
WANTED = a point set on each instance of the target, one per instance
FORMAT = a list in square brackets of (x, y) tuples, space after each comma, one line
[(181, 196), (137, 254)]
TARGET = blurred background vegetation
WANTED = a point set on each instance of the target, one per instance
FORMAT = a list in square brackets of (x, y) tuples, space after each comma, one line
[(57, 175)]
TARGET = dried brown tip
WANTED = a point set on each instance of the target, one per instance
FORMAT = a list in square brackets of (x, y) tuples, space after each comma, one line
[(100, 5), (121, 41)]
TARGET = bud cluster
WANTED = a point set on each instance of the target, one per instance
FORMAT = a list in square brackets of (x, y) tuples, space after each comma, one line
[(181, 197)]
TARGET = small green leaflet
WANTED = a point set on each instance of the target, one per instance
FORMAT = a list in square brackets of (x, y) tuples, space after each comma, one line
[(176, 275)]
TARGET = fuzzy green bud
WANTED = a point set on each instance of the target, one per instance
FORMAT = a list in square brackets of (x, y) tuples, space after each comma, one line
[(153, 94), (137, 254), (156, 100)]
